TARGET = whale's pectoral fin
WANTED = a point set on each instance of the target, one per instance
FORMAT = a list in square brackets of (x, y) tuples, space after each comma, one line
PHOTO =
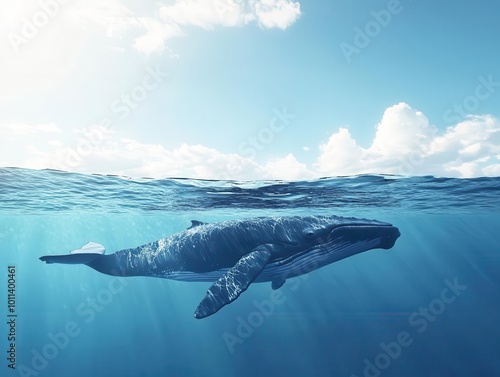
[(86, 254), (277, 283), (235, 281)]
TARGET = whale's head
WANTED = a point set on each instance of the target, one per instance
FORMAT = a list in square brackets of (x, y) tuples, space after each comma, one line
[(321, 240), (328, 231)]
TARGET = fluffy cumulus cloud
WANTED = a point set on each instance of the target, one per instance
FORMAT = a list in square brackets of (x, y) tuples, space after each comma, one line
[(156, 33), (8, 131), (99, 150), (286, 168), (207, 14), (42, 41), (276, 13), (171, 19), (404, 143), (145, 28), (210, 14)]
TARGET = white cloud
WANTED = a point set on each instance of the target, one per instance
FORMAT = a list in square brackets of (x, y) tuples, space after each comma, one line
[(286, 168), (492, 170), (42, 41), (116, 19), (340, 155), (156, 34), (20, 144), (110, 15), (276, 13), (8, 130), (207, 14), (98, 150), (401, 131), (45, 44), (405, 143), (55, 143)]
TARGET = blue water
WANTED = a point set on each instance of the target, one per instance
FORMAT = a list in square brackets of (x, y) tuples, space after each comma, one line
[(363, 316)]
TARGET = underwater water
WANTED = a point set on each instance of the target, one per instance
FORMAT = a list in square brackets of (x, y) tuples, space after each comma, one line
[(430, 306)]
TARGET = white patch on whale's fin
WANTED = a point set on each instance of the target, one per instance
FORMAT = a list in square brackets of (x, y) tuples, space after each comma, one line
[(195, 223), (235, 281), (84, 255), (90, 248)]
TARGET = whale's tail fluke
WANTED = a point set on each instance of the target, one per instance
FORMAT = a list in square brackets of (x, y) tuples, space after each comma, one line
[(84, 255)]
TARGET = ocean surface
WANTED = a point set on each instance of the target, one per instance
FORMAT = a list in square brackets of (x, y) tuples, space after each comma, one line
[(430, 306)]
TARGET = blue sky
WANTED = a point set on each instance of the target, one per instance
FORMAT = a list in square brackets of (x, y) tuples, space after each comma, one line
[(262, 89)]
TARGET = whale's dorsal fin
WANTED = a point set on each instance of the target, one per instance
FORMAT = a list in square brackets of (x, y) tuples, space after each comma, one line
[(195, 223), (235, 281)]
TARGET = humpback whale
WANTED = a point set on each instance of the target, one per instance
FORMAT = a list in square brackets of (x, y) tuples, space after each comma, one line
[(232, 254)]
